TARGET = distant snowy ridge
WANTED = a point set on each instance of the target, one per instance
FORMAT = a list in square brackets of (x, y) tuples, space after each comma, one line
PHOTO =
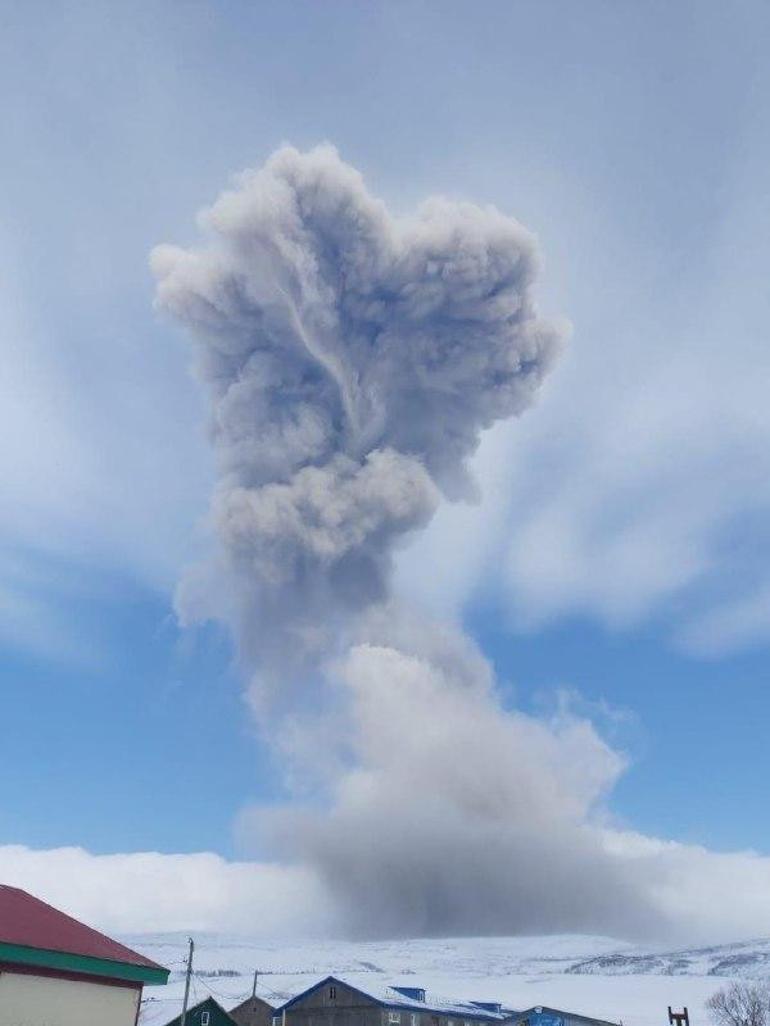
[(468, 957), (598, 976), (747, 959)]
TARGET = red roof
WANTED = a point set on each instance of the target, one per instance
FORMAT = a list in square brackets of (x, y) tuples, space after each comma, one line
[(31, 923)]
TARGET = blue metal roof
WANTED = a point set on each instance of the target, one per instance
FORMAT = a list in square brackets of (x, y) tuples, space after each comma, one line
[(542, 1015), (415, 993), (397, 999)]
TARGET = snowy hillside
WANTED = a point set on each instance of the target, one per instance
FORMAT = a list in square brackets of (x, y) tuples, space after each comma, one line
[(593, 975)]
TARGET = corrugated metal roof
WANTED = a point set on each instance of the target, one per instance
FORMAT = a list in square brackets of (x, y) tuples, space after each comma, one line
[(445, 1006), (28, 922), (389, 997)]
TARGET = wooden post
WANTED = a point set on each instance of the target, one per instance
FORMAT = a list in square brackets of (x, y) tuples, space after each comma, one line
[(187, 980)]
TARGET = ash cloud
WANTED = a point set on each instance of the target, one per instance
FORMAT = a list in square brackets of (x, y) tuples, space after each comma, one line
[(352, 360)]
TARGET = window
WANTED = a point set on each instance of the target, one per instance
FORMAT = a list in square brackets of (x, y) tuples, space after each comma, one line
[(332, 993), (415, 1019), (204, 1019), (276, 1020), (394, 1017)]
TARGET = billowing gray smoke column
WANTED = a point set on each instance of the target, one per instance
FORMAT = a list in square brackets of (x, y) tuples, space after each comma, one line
[(352, 360)]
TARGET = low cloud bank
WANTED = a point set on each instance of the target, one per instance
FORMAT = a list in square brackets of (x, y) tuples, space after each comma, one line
[(152, 892)]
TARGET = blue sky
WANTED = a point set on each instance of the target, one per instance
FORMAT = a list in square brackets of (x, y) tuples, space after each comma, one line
[(620, 550)]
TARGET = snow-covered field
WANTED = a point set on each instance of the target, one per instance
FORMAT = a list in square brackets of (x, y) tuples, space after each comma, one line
[(593, 975)]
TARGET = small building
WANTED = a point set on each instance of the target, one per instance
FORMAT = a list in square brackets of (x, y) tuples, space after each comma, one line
[(55, 971), (208, 1012), (254, 1011), (543, 1016), (333, 1002)]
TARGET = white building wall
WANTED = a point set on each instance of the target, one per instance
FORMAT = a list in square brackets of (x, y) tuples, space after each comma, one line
[(27, 1000)]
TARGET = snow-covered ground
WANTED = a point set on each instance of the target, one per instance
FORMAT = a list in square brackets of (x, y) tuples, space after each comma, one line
[(594, 975)]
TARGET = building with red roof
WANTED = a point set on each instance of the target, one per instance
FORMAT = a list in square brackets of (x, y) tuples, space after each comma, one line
[(56, 971)]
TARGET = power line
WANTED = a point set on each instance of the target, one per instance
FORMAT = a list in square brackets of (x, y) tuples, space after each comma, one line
[(218, 993)]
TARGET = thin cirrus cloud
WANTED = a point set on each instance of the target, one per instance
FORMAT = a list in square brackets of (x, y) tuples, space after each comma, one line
[(639, 491), (655, 496), (642, 489)]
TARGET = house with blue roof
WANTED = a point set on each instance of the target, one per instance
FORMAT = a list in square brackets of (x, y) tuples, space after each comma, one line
[(543, 1016), (336, 1002)]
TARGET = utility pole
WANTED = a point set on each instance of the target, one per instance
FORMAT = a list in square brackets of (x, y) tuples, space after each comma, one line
[(254, 987), (187, 980)]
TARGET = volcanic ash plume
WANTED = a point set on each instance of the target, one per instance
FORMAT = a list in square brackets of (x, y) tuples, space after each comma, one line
[(352, 360)]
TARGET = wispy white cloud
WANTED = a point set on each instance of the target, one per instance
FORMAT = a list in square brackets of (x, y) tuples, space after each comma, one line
[(101, 462), (730, 625), (639, 491), (626, 498)]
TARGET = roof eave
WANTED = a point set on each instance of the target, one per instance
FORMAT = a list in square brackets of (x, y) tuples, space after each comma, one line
[(87, 965)]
